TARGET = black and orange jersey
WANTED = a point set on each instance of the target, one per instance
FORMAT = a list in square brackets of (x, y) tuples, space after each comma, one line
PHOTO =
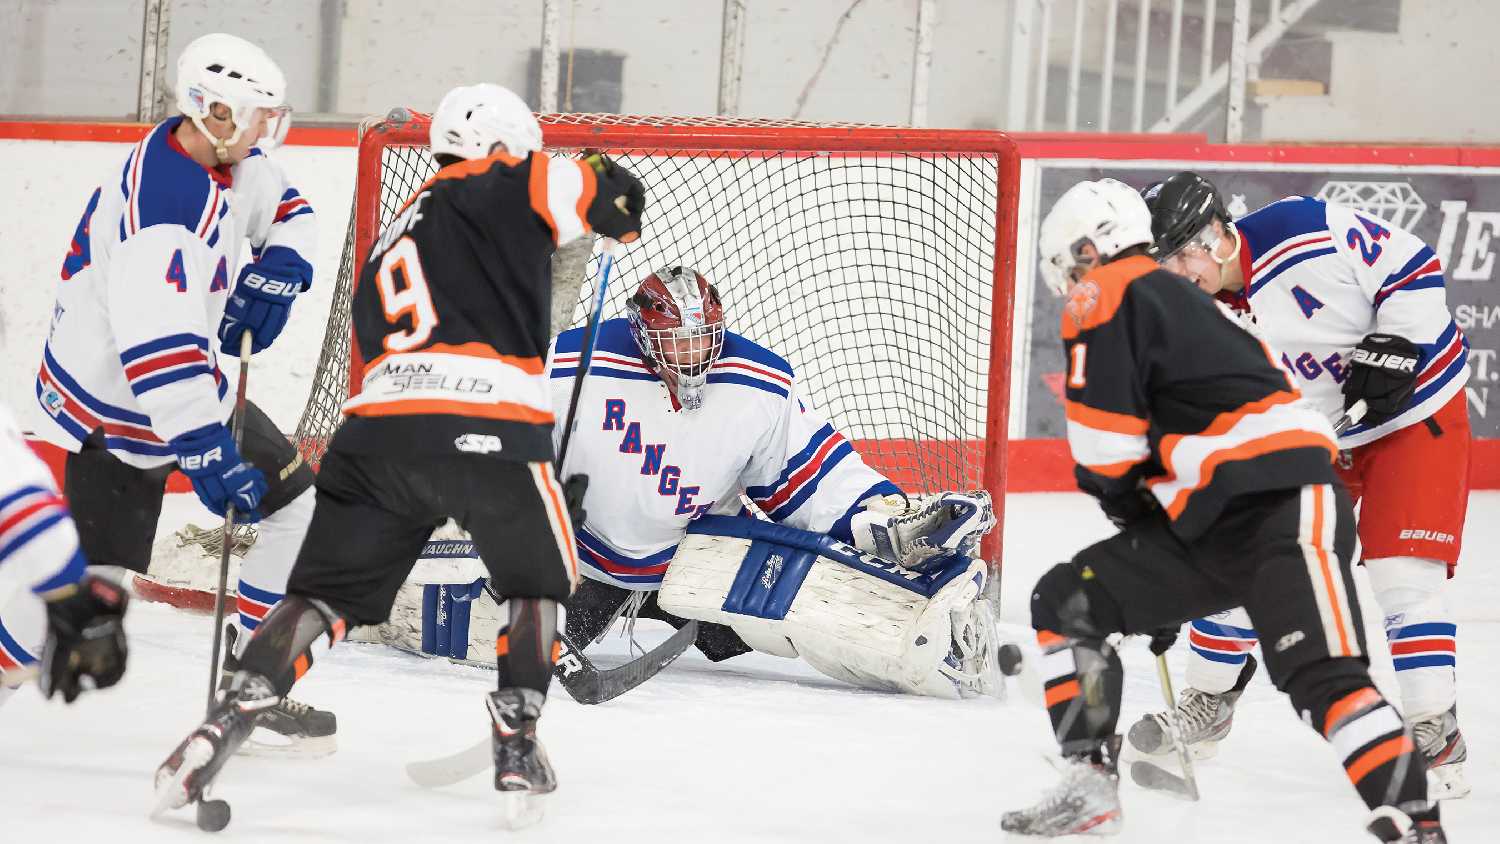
[(452, 311), (1163, 388)]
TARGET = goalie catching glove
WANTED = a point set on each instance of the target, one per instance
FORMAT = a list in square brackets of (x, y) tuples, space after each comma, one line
[(916, 536)]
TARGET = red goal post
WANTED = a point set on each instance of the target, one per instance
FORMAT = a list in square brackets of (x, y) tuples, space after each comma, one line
[(878, 261)]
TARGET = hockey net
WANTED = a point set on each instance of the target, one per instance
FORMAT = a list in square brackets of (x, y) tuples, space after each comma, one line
[(877, 261)]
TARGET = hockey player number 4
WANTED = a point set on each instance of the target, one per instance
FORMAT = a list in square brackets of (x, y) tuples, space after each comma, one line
[(403, 290)]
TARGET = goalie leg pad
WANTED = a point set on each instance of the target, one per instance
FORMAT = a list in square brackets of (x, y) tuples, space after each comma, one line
[(853, 616)]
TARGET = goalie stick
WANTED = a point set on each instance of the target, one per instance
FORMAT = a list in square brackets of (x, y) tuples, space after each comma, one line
[(585, 682)]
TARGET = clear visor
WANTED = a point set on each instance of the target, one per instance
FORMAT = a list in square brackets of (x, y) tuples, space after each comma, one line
[(278, 123), (687, 351), (1205, 242)]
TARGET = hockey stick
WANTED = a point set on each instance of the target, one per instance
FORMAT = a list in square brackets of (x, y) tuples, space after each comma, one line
[(586, 350), (1153, 776), (586, 683), (1349, 418), (213, 815)]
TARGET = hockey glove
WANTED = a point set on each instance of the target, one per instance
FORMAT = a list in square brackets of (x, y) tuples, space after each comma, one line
[(573, 489), (1163, 639), (619, 200), (219, 475), (1383, 372), (1127, 508), (262, 299), (85, 638)]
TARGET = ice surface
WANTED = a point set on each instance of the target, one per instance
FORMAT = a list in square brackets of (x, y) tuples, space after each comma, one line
[(755, 749)]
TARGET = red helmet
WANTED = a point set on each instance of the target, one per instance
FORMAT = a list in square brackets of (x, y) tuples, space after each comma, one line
[(678, 321)]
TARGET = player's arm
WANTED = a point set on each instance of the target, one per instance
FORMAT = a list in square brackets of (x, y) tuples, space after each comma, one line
[(593, 194), (39, 552), (282, 230), (1105, 403), (159, 281), (1414, 338)]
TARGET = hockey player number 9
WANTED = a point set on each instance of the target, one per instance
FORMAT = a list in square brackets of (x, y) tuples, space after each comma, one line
[(403, 289)]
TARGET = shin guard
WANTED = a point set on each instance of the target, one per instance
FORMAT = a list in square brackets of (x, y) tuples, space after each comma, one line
[(527, 645), (287, 643), (1083, 680)]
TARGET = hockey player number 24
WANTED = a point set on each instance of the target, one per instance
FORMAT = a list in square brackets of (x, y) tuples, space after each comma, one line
[(403, 290)]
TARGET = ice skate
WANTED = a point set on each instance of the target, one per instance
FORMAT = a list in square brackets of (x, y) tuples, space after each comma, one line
[(522, 772), (1086, 802), (1393, 826), (195, 762), (973, 663), (291, 728), (1205, 719), (1443, 744)]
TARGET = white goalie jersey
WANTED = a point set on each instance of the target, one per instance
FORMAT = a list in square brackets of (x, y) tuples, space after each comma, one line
[(132, 348), (653, 469)]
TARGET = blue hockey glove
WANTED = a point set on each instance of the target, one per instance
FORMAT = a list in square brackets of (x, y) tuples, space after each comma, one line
[(262, 299), (220, 476)]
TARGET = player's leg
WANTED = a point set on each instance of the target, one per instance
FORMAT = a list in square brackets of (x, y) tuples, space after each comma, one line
[(115, 505), (284, 513), (596, 605), (1302, 598), (519, 521), (1410, 529), (365, 534), (1137, 581), (1219, 668)]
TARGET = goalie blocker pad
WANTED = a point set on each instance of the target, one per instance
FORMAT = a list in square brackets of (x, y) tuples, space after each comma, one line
[(851, 615)]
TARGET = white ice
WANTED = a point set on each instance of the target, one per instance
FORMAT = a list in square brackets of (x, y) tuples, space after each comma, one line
[(755, 749)]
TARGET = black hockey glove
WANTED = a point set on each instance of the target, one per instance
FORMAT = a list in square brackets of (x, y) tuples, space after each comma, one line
[(1383, 372), (619, 200), (1127, 508), (1163, 639), (85, 638), (573, 489)]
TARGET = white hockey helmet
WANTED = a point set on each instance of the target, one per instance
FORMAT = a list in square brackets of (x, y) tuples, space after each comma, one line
[(1107, 214), (472, 119), (223, 68)]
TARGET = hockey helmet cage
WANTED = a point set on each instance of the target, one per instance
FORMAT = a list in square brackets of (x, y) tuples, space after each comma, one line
[(1181, 208), (227, 69), (473, 119), (1107, 214), (677, 320)]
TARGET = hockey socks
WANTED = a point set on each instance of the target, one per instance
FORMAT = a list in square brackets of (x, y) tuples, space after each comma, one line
[(293, 636), (1082, 679), (1377, 751), (527, 646)]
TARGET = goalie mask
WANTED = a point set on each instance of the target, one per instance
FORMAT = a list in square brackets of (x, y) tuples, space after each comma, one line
[(677, 320)]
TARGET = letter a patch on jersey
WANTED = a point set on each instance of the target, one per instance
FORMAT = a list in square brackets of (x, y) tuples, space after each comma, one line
[(176, 275), (1306, 301)]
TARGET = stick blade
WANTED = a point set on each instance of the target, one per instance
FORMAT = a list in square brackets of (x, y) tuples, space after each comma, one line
[(451, 770), (596, 686), (1153, 777)]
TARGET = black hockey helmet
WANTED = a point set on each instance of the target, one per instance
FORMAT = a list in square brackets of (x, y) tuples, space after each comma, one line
[(1181, 207)]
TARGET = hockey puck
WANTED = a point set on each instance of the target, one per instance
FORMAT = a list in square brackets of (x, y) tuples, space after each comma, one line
[(1009, 657), (213, 815)]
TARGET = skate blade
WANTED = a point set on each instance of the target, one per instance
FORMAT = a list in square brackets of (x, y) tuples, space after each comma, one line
[(1109, 823), (520, 809), (172, 792), (1447, 782), (299, 747)]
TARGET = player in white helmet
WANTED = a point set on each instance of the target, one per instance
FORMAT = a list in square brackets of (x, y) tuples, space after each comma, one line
[(457, 287), (1221, 481), (1355, 309), (157, 287), (679, 418)]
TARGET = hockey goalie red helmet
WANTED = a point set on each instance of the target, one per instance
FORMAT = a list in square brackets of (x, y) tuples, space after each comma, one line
[(678, 321)]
